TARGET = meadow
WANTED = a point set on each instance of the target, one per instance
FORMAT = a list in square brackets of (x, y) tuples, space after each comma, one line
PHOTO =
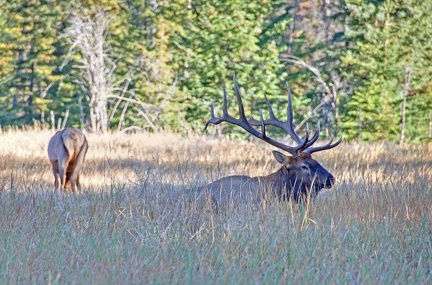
[(373, 227)]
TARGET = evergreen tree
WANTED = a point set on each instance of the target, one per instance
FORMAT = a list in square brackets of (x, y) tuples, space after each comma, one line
[(218, 39), (145, 61), (28, 53), (391, 38), (314, 44)]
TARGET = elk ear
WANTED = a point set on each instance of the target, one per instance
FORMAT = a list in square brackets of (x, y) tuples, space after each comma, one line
[(281, 158)]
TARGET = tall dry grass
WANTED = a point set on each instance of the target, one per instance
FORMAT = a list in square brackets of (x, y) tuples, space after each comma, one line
[(373, 227)]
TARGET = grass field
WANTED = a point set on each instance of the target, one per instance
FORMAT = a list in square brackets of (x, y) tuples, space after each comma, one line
[(373, 227)]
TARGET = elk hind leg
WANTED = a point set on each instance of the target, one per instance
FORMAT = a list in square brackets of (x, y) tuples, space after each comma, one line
[(74, 180), (78, 184), (56, 177), (63, 165), (78, 167)]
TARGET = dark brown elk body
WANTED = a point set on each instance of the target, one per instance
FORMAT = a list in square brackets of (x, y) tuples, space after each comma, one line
[(299, 177), (66, 151)]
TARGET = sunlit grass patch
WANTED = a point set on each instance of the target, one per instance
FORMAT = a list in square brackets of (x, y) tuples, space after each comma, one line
[(373, 226)]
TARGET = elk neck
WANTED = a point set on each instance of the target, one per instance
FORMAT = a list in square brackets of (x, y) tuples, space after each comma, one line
[(278, 183)]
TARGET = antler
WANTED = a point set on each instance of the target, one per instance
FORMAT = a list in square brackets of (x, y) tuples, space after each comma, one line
[(303, 145)]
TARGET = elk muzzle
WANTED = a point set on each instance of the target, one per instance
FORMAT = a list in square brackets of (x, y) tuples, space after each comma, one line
[(329, 182)]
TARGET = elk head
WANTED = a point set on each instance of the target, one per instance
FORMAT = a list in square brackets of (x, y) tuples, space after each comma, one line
[(300, 175)]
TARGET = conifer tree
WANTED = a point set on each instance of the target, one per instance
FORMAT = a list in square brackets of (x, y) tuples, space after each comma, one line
[(218, 39), (391, 38), (28, 46)]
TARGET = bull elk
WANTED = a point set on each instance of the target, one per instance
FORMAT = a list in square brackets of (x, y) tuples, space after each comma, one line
[(66, 151), (300, 175)]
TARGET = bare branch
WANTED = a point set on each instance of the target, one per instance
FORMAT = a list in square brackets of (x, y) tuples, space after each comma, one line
[(139, 102), (329, 89), (314, 70)]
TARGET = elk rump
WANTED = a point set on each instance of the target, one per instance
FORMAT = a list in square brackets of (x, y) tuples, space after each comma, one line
[(66, 151)]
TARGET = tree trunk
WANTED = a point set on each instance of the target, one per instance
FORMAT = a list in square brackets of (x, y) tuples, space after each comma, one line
[(88, 36), (360, 122), (403, 107), (430, 125)]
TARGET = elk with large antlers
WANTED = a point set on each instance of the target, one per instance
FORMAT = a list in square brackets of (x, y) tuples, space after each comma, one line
[(299, 177)]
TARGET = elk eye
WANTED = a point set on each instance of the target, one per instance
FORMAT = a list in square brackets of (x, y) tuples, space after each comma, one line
[(304, 167)]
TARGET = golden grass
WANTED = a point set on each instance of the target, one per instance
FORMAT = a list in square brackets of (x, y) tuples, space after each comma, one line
[(373, 227)]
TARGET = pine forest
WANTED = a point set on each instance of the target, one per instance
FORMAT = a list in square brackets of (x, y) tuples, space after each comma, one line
[(360, 68)]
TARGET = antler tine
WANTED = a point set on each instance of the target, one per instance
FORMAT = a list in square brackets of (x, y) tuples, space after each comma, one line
[(324, 147), (290, 118), (239, 99), (263, 130), (225, 117), (257, 123), (269, 107), (304, 143), (212, 116), (212, 110), (314, 137)]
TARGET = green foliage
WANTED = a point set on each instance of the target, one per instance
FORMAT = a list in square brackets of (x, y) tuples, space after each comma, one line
[(175, 56), (218, 39), (29, 56), (141, 33), (391, 37), (316, 37)]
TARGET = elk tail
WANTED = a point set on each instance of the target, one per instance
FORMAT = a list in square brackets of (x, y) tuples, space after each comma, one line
[(82, 152), (69, 140)]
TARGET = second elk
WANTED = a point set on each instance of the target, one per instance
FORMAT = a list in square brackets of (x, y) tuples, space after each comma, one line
[(66, 151), (300, 176)]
